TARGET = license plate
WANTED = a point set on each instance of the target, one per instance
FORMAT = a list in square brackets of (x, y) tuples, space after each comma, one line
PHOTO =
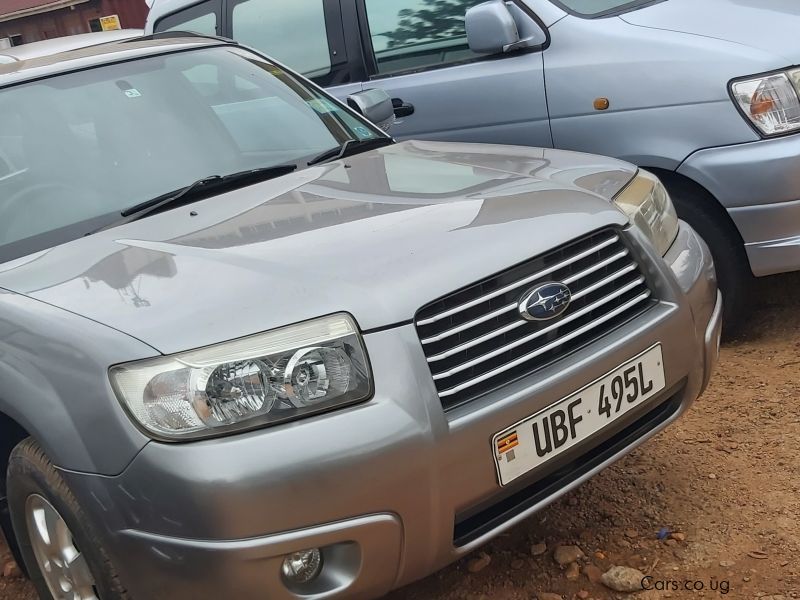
[(543, 436)]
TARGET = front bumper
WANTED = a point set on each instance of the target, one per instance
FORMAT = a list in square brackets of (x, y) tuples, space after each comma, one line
[(759, 184), (395, 488)]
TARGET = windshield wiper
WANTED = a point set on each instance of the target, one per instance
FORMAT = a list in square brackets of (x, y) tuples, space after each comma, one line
[(197, 191), (350, 147), (199, 188), (144, 208)]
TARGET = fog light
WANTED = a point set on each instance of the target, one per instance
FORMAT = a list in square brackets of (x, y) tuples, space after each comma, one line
[(303, 566)]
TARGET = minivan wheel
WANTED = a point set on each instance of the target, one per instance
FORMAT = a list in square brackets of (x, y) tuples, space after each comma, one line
[(63, 555)]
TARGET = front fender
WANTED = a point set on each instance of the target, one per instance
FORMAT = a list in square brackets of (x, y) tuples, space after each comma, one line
[(667, 91), (54, 383)]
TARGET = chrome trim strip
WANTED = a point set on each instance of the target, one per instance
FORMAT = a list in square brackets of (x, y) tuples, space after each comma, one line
[(470, 324), (521, 282), (605, 281), (477, 340), (596, 267), (546, 348), (564, 321)]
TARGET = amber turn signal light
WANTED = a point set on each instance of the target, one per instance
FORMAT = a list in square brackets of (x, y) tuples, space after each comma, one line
[(601, 104)]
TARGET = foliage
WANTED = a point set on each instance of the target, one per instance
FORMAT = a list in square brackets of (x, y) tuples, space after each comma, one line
[(440, 19)]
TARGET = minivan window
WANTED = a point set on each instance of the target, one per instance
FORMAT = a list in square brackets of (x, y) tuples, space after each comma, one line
[(593, 8), (201, 18), (291, 31), (418, 34), (141, 129)]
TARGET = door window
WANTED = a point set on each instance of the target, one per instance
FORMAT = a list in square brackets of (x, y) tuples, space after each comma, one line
[(418, 34), (291, 31), (201, 18)]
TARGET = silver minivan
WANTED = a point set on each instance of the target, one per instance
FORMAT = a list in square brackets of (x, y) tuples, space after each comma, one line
[(701, 93)]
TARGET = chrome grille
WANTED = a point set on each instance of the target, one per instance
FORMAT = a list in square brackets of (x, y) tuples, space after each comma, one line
[(475, 339)]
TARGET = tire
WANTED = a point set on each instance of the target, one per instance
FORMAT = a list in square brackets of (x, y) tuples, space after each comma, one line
[(31, 477), (712, 223)]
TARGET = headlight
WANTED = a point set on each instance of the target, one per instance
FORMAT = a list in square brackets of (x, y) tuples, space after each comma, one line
[(771, 101), (647, 203), (251, 382)]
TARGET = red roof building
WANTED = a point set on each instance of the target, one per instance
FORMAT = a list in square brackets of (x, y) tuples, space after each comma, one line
[(23, 21)]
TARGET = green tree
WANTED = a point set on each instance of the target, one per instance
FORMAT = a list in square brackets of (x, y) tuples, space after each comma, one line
[(439, 19)]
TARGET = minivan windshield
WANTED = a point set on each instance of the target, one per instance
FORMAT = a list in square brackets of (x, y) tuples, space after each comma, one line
[(77, 149), (593, 8)]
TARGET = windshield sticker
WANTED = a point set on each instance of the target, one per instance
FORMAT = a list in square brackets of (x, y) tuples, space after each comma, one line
[(133, 93), (363, 132)]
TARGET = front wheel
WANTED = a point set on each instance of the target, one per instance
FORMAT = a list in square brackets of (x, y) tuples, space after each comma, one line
[(64, 557)]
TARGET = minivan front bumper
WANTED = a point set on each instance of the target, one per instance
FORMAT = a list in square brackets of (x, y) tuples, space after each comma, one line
[(395, 488), (759, 184)]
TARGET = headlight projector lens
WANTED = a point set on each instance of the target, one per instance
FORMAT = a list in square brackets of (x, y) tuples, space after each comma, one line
[(312, 372)]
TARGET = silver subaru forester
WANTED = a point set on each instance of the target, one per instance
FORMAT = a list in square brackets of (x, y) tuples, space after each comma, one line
[(251, 347)]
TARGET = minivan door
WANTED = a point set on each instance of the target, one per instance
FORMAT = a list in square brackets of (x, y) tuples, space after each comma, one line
[(305, 35), (417, 51)]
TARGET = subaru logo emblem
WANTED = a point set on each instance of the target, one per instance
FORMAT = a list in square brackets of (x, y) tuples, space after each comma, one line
[(545, 302)]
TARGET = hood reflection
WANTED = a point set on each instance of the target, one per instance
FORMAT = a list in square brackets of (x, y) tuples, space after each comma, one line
[(376, 235)]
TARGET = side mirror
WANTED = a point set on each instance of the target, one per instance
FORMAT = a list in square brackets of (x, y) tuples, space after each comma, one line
[(493, 29), (375, 105)]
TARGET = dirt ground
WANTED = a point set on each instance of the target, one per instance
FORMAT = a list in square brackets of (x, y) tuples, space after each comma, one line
[(725, 480)]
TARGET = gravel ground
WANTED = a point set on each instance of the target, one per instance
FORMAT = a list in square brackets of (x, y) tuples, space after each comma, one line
[(725, 480)]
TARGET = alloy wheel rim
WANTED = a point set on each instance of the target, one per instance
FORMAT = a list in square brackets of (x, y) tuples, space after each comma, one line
[(61, 563)]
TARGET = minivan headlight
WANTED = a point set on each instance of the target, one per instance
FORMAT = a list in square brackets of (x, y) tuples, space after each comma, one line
[(770, 102), (647, 203), (251, 382)]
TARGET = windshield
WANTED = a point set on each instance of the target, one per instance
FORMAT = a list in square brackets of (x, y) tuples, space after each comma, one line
[(77, 149), (594, 8)]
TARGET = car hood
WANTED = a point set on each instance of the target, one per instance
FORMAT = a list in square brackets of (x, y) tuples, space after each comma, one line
[(377, 235), (769, 25)]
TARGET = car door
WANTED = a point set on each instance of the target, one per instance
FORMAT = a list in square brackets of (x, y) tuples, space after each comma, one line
[(417, 51), (305, 35)]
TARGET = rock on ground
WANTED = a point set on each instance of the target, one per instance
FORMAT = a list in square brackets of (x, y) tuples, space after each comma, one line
[(623, 579), (479, 563), (538, 549), (593, 573), (11, 570), (573, 571), (565, 555)]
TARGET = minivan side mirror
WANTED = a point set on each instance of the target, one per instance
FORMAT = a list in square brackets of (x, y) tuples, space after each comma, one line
[(375, 105), (493, 29)]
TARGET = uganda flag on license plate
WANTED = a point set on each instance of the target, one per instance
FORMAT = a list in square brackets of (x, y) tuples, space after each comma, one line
[(506, 444)]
